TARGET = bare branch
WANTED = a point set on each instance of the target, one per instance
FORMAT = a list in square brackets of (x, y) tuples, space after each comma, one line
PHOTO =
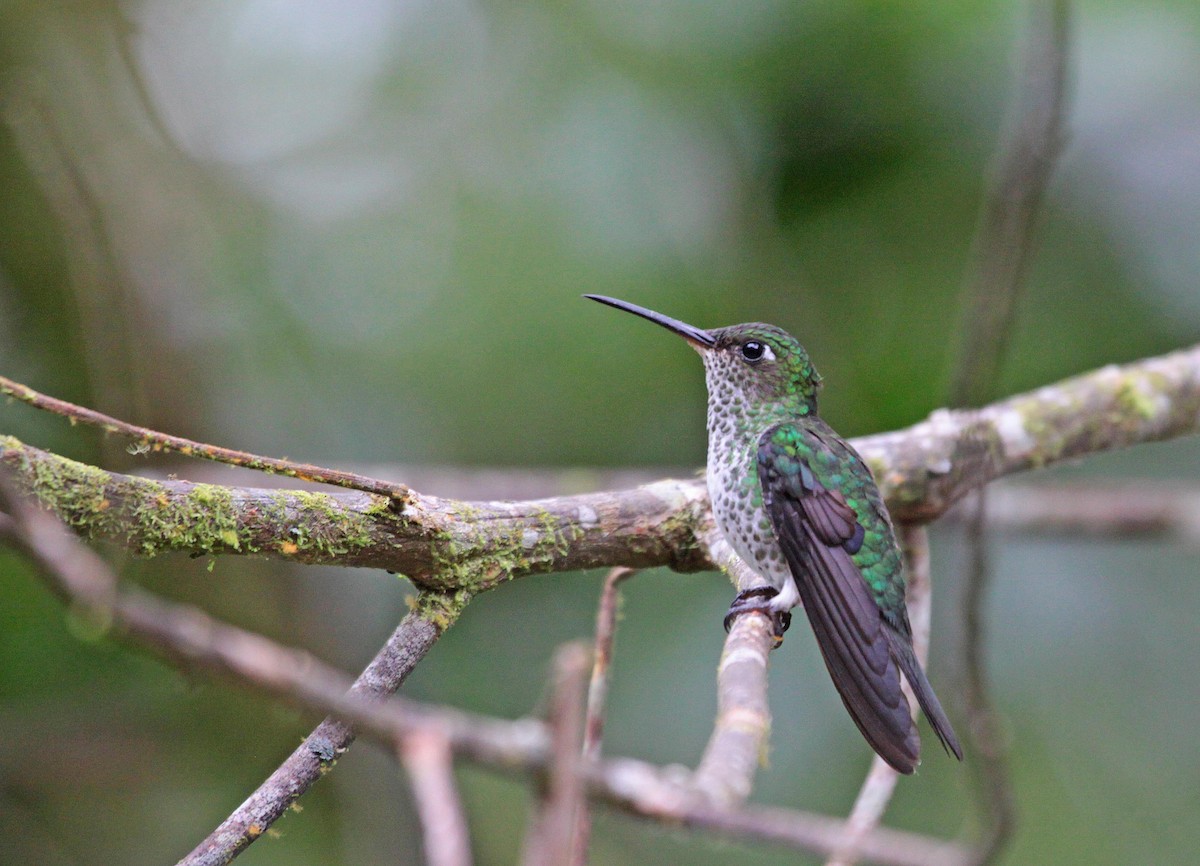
[(1108, 509), (412, 639), (807, 832), (552, 832), (731, 759), (427, 757)]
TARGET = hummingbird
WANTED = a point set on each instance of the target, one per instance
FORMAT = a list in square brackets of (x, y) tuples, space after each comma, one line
[(797, 503)]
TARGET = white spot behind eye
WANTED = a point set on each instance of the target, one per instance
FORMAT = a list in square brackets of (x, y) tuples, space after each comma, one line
[(767, 354)]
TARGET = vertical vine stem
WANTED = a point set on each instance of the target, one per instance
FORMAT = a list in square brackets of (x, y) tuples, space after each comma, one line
[(983, 723), (1002, 249)]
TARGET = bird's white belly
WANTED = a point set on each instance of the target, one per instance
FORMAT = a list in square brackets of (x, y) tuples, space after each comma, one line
[(736, 497)]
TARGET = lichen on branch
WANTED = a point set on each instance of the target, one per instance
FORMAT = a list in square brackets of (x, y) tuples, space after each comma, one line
[(451, 545)]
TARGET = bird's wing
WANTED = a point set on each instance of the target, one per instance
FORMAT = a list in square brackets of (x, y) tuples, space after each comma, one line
[(820, 533)]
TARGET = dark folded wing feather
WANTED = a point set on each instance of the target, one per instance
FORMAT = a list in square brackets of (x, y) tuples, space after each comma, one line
[(819, 534)]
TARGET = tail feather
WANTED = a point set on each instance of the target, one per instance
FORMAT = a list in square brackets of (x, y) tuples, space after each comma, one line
[(902, 651)]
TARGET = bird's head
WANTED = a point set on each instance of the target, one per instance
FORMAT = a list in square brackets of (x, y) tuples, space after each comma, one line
[(760, 364)]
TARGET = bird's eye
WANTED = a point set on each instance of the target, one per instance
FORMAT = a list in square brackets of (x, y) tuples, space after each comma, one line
[(752, 350)]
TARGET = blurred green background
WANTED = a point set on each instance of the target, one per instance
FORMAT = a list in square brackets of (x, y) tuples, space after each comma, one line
[(357, 233)]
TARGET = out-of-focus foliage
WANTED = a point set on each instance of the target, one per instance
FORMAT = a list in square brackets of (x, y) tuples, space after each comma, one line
[(357, 233)]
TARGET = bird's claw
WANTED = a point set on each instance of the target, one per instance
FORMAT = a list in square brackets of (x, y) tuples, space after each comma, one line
[(757, 600)]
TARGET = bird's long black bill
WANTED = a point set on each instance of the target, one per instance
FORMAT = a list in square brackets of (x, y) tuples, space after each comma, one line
[(692, 334)]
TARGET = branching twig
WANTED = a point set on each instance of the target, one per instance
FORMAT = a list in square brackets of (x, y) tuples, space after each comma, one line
[(412, 639), (192, 639), (453, 550), (471, 547), (154, 441)]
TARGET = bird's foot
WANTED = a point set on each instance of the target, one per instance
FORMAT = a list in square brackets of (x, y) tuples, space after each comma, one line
[(758, 600)]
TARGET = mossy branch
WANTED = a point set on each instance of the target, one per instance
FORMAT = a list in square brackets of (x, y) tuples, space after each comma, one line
[(441, 544), (452, 545)]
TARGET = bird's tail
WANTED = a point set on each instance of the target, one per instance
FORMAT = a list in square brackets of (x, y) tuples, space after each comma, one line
[(902, 651)]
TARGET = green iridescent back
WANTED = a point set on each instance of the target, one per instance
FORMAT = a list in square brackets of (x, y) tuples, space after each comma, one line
[(837, 466)]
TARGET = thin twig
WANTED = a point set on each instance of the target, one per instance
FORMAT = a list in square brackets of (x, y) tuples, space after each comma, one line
[(429, 761), (155, 441), (552, 830), (593, 731), (606, 627), (877, 789)]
